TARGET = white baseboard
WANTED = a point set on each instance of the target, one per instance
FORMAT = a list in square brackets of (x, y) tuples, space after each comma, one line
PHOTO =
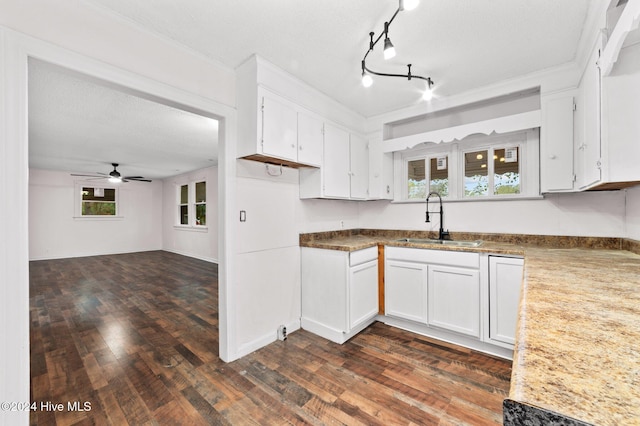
[(182, 253), (260, 342)]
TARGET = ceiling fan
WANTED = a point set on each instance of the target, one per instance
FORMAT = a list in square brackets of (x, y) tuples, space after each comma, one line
[(115, 176)]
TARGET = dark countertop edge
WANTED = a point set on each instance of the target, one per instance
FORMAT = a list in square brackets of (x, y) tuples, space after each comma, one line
[(357, 239)]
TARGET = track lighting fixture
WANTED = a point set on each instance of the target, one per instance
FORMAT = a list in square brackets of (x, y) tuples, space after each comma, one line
[(390, 51)]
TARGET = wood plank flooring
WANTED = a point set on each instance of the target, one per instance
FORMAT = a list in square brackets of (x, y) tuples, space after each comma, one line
[(135, 336)]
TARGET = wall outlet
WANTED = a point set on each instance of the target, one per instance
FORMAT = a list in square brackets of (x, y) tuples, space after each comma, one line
[(282, 333)]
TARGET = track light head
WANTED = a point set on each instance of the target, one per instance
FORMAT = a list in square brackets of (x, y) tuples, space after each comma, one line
[(427, 95), (389, 50), (409, 4), (367, 81)]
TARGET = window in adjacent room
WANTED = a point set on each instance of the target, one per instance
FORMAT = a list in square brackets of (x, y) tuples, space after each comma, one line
[(192, 204), (183, 207), (201, 203), (98, 201)]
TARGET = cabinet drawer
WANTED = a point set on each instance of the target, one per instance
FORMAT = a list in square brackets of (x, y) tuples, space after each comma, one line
[(362, 256), (440, 257)]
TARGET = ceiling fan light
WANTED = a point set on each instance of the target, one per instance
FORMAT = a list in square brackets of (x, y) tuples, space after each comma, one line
[(389, 50), (367, 80), (114, 179)]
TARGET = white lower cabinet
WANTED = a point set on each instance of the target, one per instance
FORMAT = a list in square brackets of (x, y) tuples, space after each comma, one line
[(505, 281), (465, 298), (339, 291), (405, 294), (434, 287), (454, 299)]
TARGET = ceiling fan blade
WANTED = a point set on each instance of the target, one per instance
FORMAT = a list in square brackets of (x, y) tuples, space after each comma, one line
[(94, 176), (133, 177), (138, 179)]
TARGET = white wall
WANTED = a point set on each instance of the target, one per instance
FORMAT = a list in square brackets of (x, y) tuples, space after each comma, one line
[(194, 242), (598, 214), (268, 271), (99, 33), (85, 38), (55, 233)]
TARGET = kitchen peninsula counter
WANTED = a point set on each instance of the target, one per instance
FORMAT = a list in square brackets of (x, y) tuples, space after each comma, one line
[(577, 347)]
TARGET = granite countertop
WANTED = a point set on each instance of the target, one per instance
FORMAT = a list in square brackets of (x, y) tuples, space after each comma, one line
[(578, 340)]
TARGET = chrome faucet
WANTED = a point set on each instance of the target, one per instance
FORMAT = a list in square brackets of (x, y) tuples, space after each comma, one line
[(442, 234)]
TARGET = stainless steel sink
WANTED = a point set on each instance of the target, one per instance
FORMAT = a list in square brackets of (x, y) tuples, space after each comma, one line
[(475, 243)]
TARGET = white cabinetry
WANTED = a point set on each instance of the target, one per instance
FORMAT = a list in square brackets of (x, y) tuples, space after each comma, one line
[(380, 171), (454, 299), (358, 167), (344, 173), (505, 282), (469, 299), (434, 287), (310, 139), (335, 168), (339, 291), (275, 129), (608, 149), (588, 142), (279, 125), (556, 143), (405, 294)]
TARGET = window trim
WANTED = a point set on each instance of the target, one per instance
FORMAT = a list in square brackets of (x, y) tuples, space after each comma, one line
[(77, 209), (527, 141), (191, 204)]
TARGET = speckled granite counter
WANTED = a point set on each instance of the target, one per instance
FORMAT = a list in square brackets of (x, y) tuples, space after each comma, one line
[(578, 340)]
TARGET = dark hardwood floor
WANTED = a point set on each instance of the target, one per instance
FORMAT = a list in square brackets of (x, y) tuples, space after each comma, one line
[(135, 336)]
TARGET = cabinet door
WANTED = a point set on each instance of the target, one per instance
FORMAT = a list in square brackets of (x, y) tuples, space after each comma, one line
[(405, 290), (359, 162), (363, 293), (279, 129), (454, 299), (335, 163), (588, 150), (505, 281), (310, 139), (556, 148)]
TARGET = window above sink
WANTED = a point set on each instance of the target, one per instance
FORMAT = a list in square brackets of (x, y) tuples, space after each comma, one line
[(479, 167)]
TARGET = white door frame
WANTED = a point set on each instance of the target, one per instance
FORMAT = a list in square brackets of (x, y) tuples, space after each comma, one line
[(15, 49)]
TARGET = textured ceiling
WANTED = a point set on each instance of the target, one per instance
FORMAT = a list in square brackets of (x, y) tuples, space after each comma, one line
[(461, 44), (79, 125)]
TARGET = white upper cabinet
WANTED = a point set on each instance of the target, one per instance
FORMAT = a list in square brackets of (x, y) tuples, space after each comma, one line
[(556, 143), (335, 168), (607, 148), (620, 149), (344, 173), (279, 125), (588, 144), (310, 139), (358, 167)]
